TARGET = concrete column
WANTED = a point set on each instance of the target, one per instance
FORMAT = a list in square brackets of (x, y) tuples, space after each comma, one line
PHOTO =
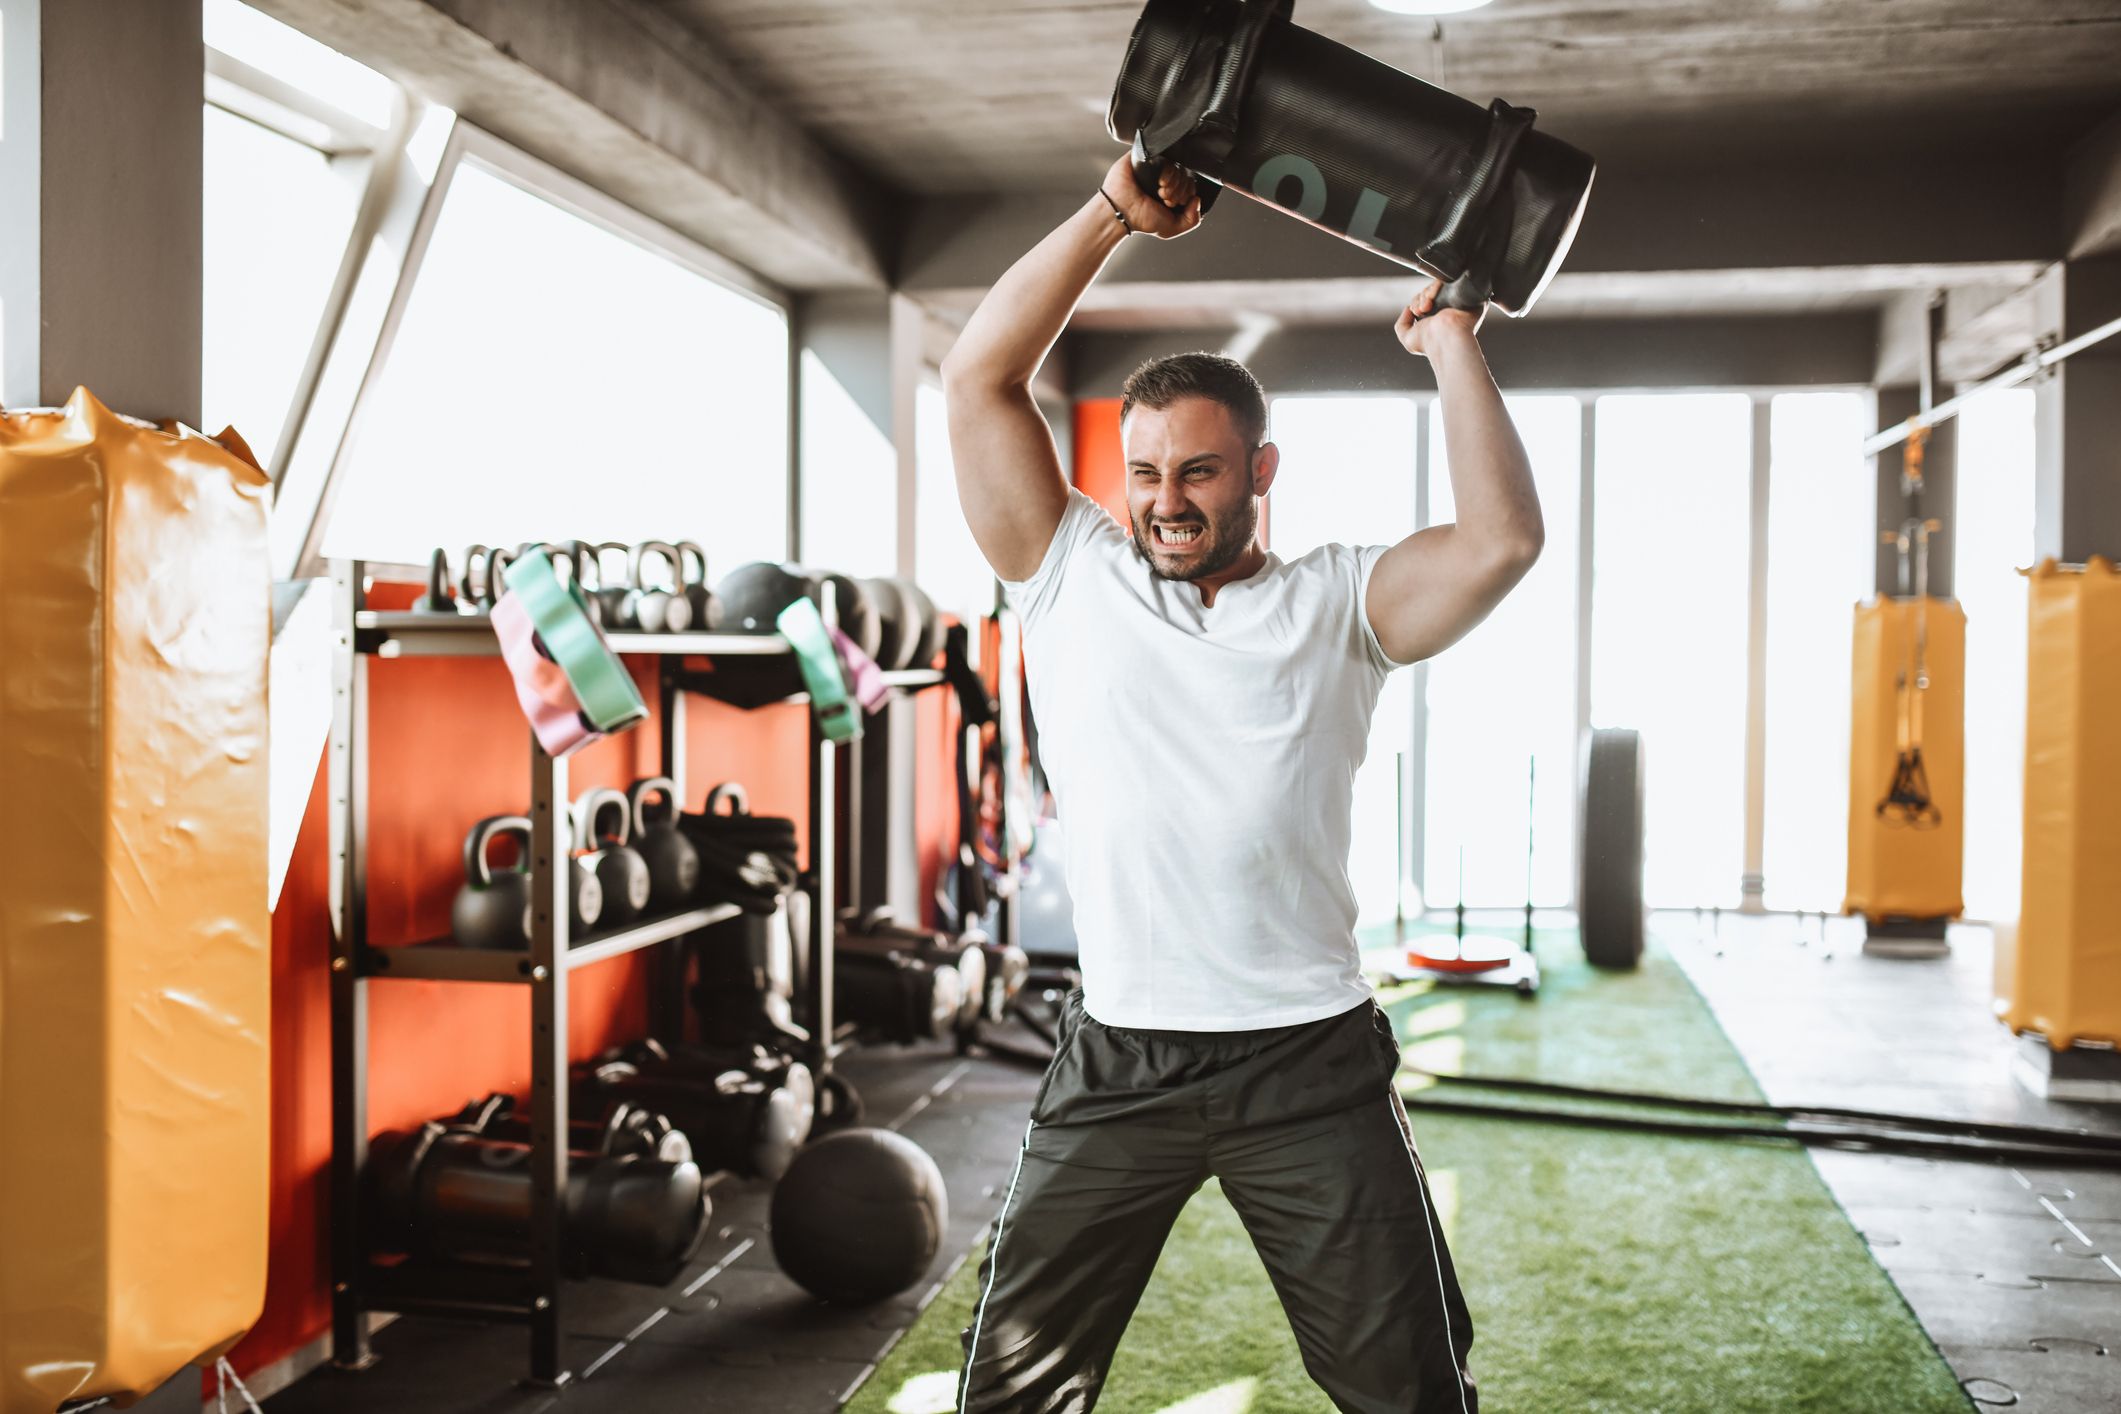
[(100, 203), (2077, 414), (1939, 494)]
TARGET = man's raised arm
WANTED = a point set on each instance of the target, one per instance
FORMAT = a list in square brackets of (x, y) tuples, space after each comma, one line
[(1433, 587), (1009, 478)]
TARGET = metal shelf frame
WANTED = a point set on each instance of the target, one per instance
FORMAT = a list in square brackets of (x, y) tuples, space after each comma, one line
[(749, 670)]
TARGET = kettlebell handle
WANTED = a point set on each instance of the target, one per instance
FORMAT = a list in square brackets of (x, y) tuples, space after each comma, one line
[(482, 835), (638, 796), (605, 547), (663, 548), (689, 551), (739, 799), (591, 808), (471, 584)]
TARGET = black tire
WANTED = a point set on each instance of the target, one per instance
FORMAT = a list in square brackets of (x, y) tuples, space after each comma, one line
[(1612, 917)]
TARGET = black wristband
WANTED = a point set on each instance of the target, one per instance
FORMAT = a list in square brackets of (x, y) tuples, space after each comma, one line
[(1117, 214)]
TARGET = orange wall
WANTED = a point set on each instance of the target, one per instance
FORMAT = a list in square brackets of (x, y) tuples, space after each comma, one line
[(1100, 462), (448, 747)]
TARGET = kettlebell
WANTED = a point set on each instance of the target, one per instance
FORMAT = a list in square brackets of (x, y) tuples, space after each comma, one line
[(621, 873), (692, 576), (577, 558), (493, 910), (612, 588), (673, 863), (437, 599), (659, 610), (497, 562), (471, 580)]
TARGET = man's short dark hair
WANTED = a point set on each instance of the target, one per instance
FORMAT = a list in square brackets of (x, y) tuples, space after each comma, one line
[(1163, 381)]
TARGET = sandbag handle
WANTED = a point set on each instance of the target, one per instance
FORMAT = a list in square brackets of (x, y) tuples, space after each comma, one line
[(1206, 101), (1461, 225)]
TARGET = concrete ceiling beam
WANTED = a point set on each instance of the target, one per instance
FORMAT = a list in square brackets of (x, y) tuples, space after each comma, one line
[(619, 96)]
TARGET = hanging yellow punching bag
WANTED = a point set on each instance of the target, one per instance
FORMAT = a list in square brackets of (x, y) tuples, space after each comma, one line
[(135, 943)]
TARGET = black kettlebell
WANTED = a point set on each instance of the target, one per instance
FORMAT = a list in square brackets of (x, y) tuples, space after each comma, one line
[(692, 577), (497, 563), (471, 580), (612, 588), (437, 599), (493, 910), (673, 863), (578, 558), (621, 873), (662, 609)]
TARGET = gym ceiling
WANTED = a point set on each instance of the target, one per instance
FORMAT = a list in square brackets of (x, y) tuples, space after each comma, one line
[(1765, 159)]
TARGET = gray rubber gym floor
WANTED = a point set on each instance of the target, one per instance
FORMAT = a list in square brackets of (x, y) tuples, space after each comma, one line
[(2016, 1273), (732, 1333)]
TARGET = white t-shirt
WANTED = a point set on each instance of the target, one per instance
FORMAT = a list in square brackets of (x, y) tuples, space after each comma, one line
[(1203, 765)]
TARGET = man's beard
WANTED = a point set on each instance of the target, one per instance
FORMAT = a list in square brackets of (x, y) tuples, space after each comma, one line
[(1226, 537)]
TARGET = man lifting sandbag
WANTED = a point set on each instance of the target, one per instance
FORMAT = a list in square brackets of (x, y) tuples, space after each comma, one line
[(1203, 706)]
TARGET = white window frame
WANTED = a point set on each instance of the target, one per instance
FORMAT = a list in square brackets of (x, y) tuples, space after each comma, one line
[(471, 143), (1760, 455)]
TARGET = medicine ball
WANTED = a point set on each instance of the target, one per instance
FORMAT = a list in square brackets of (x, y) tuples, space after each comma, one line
[(854, 608), (859, 1216), (893, 642), (753, 596), (931, 640)]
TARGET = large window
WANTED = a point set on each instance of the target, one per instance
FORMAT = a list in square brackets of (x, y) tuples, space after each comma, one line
[(952, 570), (1502, 701), (1668, 635), (562, 371), (1347, 476), (284, 171), (850, 480), (1994, 540), (1822, 545)]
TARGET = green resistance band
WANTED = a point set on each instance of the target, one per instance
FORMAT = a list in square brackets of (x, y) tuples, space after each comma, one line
[(801, 625), (561, 615)]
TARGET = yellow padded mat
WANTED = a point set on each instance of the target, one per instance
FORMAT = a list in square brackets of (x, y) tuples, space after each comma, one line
[(1897, 870), (135, 625), (2066, 976)]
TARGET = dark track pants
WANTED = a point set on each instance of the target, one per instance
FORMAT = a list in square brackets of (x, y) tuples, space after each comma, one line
[(1304, 1130)]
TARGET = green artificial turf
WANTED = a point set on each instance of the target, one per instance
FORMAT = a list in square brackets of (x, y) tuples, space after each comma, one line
[(1603, 1270)]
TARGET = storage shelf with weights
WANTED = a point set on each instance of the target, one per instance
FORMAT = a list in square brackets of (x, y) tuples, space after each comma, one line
[(748, 671)]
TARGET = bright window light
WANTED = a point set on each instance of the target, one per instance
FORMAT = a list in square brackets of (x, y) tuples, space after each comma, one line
[(551, 380), (1504, 697), (286, 53), (269, 265), (1822, 560), (1668, 625), (850, 480), (1347, 477), (1993, 527), (951, 568)]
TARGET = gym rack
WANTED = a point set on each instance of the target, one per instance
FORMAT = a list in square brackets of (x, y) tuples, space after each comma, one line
[(748, 670)]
